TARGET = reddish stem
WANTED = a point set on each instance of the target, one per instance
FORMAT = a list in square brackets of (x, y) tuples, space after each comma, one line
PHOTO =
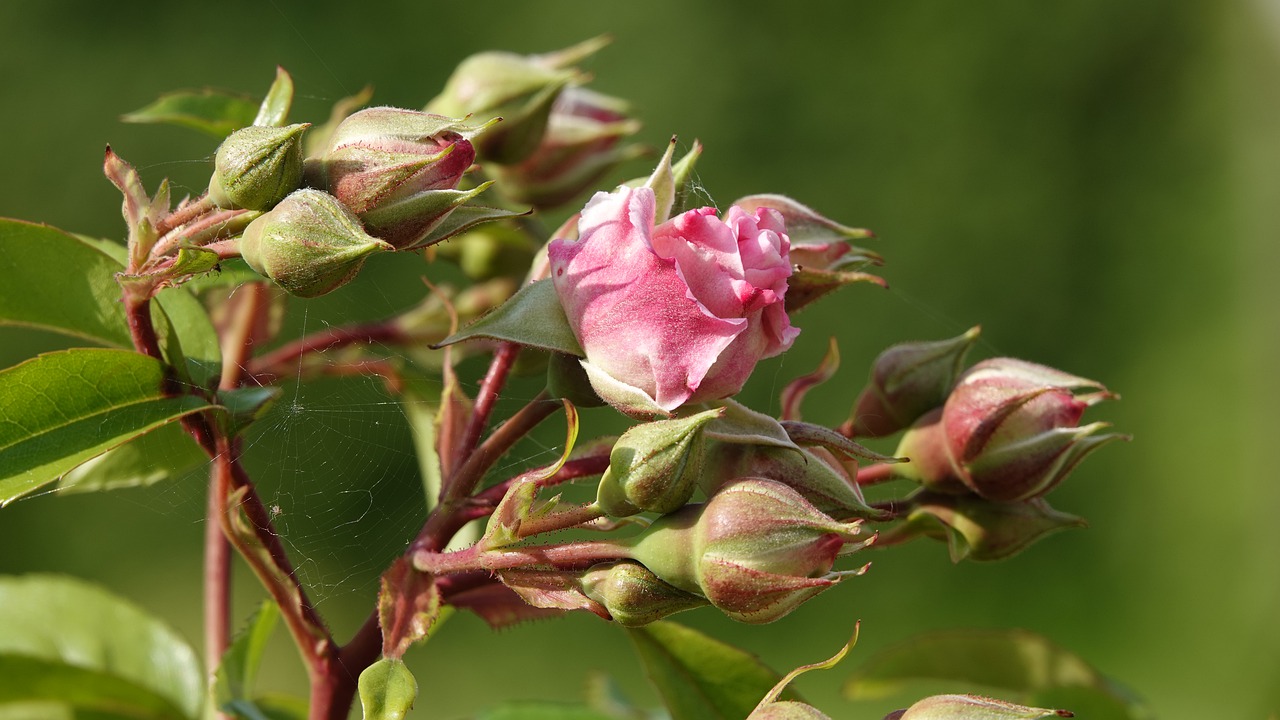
[(503, 358), (184, 214), (448, 517), (217, 570), (875, 474), (284, 359), (562, 556)]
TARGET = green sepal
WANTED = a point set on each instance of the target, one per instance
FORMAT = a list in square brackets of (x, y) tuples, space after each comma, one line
[(387, 690), (533, 317), (274, 110), (741, 425)]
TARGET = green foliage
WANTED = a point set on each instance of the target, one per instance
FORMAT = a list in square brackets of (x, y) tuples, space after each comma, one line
[(61, 409), (166, 453), (234, 680), (1009, 661), (39, 263), (209, 111), (699, 677), (73, 644)]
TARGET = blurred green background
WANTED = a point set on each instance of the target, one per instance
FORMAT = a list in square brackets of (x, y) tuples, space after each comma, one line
[(1095, 182)]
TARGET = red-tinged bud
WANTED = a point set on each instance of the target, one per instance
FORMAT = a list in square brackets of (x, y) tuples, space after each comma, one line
[(756, 550), (907, 381), (633, 595), (397, 169), (521, 89), (581, 143), (309, 244), (1009, 432), (973, 707), (256, 167), (1012, 427), (978, 529)]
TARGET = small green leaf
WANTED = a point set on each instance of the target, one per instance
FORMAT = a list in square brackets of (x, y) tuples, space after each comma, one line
[(531, 317), (166, 453), (387, 690), (543, 711), (209, 111), (193, 261), (274, 111), (72, 642), (63, 408), (699, 677), (238, 670), (1016, 661)]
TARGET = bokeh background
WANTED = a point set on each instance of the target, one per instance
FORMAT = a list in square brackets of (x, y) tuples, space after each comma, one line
[(1096, 182)]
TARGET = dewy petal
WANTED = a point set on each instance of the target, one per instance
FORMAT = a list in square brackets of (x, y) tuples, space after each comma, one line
[(629, 308)]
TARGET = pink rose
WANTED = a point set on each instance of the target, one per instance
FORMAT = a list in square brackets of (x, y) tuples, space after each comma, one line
[(677, 313)]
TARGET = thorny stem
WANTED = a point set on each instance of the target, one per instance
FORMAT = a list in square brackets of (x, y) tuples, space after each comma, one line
[(503, 358), (449, 516), (284, 359), (562, 556), (185, 214), (207, 228), (562, 520)]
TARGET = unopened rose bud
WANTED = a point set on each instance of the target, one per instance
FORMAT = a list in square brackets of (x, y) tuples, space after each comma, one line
[(655, 466), (256, 167), (521, 89), (907, 381), (397, 169), (1009, 431), (973, 707), (756, 550), (634, 596), (581, 143), (822, 483), (309, 244)]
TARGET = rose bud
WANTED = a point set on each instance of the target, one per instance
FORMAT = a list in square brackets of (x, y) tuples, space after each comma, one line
[(521, 89), (972, 707), (581, 144), (633, 595), (397, 169), (756, 550), (655, 466), (1009, 431), (907, 381), (309, 244), (256, 167), (676, 314)]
